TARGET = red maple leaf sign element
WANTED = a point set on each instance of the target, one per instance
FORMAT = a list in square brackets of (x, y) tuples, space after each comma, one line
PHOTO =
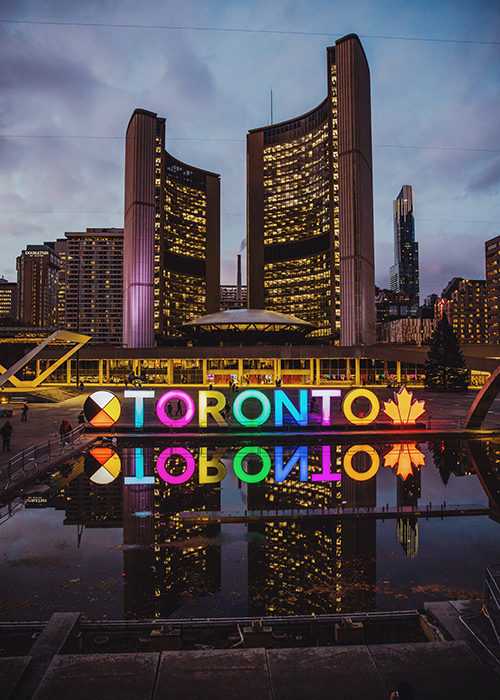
[(405, 455), (403, 410)]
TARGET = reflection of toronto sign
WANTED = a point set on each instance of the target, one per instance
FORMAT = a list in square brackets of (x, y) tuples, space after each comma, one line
[(102, 464), (176, 408)]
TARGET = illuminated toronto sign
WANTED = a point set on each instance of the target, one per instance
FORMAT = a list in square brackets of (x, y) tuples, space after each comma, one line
[(178, 464), (177, 409)]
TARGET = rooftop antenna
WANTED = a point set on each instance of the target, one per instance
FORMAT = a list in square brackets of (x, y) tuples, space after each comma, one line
[(272, 106)]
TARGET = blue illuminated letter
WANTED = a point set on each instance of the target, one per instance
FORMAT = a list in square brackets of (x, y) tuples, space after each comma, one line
[(281, 472), (139, 477), (281, 399), (139, 395)]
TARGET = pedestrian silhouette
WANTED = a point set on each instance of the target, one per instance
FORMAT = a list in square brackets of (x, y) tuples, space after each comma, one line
[(6, 432)]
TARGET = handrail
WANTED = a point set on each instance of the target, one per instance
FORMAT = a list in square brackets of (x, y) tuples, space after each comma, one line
[(492, 598), (33, 457)]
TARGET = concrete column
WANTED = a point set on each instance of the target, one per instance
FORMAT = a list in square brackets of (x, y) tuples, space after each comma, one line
[(204, 366), (357, 371), (68, 371), (101, 374), (398, 372), (240, 372)]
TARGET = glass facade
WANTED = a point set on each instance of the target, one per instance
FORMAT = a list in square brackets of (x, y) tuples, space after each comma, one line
[(310, 208), (404, 275), (297, 217), (180, 269)]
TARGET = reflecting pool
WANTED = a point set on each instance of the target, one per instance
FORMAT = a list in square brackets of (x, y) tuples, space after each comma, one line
[(145, 528)]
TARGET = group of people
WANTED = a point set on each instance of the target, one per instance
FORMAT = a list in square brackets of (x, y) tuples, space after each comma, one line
[(64, 429)]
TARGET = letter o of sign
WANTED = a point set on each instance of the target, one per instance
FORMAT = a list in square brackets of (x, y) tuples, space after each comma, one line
[(361, 476), (264, 402), (175, 422), (241, 473), (167, 454), (356, 394)]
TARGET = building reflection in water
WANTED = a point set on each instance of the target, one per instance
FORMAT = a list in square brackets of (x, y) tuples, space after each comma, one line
[(295, 564), (164, 559)]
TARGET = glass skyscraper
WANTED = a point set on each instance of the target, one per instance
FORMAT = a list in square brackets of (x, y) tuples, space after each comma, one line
[(404, 273), (310, 208)]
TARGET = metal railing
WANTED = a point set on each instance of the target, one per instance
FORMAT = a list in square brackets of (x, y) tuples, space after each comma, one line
[(35, 457), (492, 597)]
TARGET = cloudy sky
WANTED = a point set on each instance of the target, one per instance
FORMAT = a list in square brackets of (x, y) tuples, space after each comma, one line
[(73, 71)]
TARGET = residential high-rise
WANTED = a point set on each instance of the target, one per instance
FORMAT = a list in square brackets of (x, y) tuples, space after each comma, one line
[(492, 250), (464, 302), (172, 237), (94, 284), (404, 273), (37, 286), (310, 208)]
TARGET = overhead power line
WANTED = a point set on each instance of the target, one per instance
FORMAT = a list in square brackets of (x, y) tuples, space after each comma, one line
[(241, 31), (122, 138)]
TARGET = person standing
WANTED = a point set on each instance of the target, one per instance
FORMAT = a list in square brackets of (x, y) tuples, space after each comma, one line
[(6, 432), (25, 411), (179, 408)]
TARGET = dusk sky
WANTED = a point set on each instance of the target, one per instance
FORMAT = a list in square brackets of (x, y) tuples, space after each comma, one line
[(69, 87)]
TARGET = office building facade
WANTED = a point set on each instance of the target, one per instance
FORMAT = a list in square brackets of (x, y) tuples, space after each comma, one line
[(464, 302), (37, 286), (492, 251), (94, 284), (404, 275), (310, 208), (171, 240)]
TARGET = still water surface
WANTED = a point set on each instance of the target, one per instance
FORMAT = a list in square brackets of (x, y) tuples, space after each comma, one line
[(121, 550)]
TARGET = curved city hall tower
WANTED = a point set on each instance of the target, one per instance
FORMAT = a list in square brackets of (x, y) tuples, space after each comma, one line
[(171, 237), (310, 208)]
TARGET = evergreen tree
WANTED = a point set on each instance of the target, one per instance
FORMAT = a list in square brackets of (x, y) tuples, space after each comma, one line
[(445, 368)]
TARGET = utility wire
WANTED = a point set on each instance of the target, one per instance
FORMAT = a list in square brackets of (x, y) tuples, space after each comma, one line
[(241, 31), (122, 138)]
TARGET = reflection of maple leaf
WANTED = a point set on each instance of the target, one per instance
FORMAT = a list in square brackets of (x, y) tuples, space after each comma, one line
[(404, 455), (402, 410)]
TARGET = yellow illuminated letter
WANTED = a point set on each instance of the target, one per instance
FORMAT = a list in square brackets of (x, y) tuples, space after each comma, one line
[(213, 463), (204, 409), (357, 394), (361, 476)]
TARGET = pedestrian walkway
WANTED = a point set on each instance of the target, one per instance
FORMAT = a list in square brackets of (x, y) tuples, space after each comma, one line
[(437, 671)]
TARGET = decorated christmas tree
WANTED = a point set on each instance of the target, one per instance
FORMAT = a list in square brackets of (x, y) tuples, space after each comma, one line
[(445, 368)]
